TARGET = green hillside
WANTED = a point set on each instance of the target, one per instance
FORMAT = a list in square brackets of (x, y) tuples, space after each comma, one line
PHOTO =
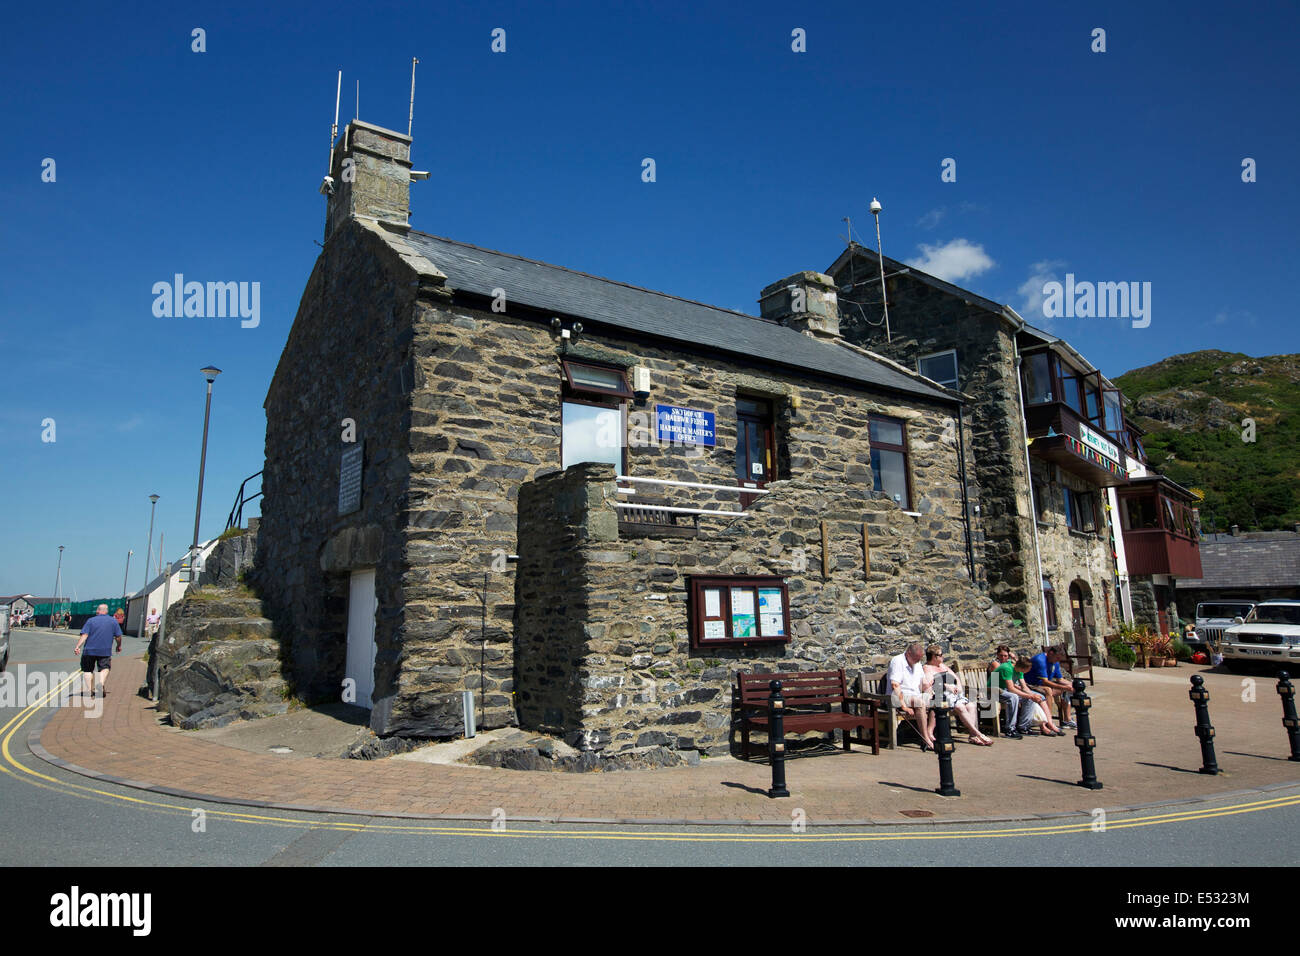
[(1193, 407)]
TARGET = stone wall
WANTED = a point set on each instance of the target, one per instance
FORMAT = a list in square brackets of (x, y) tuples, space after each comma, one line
[(231, 557), (925, 320), (603, 633), (1069, 557), (487, 418), (348, 356)]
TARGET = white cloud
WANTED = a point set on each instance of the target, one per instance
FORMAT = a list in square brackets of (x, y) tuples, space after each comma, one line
[(131, 424), (1234, 316), (1031, 290), (932, 218), (954, 260)]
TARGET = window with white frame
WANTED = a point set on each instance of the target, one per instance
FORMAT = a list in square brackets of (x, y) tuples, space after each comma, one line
[(940, 366)]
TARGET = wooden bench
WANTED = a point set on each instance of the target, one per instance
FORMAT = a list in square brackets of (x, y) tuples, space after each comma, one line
[(1075, 665), (974, 682), (814, 701)]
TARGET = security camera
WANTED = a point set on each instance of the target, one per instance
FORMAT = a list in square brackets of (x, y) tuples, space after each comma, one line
[(875, 207), (327, 186)]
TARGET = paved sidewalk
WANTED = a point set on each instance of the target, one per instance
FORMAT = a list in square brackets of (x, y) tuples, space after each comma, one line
[(1147, 755)]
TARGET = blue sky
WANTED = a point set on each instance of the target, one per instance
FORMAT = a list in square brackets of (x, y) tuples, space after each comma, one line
[(1117, 166)]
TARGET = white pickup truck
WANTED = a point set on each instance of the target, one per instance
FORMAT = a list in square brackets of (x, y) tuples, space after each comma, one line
[(1269, 634)]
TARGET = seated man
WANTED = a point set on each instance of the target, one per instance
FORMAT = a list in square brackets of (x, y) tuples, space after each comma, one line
[(1045, 677), (905, 680), (1016, 699)]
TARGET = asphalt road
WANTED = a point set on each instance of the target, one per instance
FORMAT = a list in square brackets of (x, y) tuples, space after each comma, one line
[(54, 817)]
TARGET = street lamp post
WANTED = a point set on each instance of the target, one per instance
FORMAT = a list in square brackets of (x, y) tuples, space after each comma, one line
[(144, 598), (148, 690), (58, 577), (126, 574), (210, 373)]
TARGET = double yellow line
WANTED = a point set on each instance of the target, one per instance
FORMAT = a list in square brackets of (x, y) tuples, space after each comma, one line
[(11, 766)]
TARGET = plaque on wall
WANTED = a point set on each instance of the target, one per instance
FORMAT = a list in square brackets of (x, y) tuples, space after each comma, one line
[(350, 479)]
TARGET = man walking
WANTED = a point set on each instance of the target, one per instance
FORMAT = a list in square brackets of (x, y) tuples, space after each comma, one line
[(96, 649)]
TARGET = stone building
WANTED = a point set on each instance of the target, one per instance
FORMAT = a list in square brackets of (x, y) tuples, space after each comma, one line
[(588, 504), (1050, 447)]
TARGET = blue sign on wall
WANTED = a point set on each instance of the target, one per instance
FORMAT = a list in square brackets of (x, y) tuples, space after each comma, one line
[(685, 426)]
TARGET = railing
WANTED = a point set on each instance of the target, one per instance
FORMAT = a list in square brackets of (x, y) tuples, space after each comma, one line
[(236, 518), (668, 509)]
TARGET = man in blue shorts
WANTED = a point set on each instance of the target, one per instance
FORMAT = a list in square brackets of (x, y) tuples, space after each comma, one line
[(1045, 677), (96, 649)]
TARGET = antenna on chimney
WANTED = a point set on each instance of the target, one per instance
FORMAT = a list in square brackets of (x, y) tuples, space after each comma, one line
[(357, 109), (327, 184), (410, 117)]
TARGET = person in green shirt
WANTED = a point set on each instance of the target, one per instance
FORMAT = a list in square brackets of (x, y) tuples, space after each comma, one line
[(1017, 700)]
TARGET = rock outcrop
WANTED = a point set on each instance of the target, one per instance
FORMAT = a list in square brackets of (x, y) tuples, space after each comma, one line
[(219, 661)]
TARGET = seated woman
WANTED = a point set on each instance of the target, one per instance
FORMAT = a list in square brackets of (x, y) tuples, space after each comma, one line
[(954, 694)]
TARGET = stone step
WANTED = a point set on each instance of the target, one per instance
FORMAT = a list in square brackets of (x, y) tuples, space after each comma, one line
[(204, 630), (233, 605)]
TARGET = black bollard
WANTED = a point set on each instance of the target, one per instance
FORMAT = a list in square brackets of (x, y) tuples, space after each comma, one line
[(1287, 692), (1204, 730), (776, 740), (1083, 738), (943, 744)]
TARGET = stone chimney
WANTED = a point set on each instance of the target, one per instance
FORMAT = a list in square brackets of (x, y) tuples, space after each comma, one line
[(806, 302), (371, 176)]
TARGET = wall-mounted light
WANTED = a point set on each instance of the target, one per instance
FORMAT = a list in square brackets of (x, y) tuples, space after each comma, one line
[(641, 382)]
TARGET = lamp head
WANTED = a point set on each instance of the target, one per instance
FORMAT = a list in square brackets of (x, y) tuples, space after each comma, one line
[(154, 498), (210, 372)]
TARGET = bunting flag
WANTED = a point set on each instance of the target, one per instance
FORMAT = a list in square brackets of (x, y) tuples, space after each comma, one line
[(1098, 459)]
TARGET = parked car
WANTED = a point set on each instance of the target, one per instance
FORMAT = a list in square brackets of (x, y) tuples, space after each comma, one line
[(1215, 617), (1270, 634)]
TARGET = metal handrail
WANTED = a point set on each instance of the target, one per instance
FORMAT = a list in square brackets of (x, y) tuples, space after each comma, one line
[(690, 484), (236, 517), (680, 511)]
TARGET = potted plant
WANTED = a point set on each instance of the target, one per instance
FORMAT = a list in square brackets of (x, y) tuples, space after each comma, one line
[(1180, 651), (1120, 655), (1160, 652)]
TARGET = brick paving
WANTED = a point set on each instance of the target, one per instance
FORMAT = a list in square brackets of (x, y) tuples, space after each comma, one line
[(1147, 754)]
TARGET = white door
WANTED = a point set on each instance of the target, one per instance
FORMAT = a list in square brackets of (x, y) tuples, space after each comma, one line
[(360, 666)]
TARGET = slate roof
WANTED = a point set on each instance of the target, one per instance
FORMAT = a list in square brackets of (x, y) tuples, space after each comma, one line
[(592, 298), (1266, 559)]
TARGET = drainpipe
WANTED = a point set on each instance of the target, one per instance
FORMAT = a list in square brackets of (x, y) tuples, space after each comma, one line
[(1029, 474), (965, 501)]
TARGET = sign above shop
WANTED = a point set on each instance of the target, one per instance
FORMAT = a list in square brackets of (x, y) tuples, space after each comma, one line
[(685, 426), (1098, 443)]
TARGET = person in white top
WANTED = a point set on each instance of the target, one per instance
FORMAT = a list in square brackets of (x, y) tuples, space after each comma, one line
[(906, 679)]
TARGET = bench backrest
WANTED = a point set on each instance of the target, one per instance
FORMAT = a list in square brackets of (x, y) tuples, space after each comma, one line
[(803, 689), (975, 681)]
